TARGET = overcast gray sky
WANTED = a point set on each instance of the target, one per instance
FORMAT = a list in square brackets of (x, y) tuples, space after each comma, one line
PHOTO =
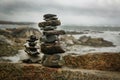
[(78, 12)]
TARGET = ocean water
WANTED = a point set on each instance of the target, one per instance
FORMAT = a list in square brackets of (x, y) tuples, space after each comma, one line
[(68, 28), (91, 28), (112, 36)]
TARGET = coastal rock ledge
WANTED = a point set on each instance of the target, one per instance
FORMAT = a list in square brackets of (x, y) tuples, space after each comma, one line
[(104, 66), (12, 71)]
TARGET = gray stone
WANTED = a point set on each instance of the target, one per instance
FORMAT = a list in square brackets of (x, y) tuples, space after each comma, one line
[(53, 48), (95, 42), (84, 39), (54, 32), (49, 39), (46, 28), (52, 60), (49, 23)]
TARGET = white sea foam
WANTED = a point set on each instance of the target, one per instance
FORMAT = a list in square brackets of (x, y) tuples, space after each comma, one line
[(107, 35)]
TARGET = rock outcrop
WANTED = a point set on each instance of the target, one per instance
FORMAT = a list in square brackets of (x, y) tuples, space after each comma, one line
[(11, 40), (7, 47), (91, 67), (95, 61), (95, 42), (23, 32), (69, 40)]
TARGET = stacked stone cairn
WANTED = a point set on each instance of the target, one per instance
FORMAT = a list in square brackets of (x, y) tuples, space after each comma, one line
[(32, 50), (50, 44)]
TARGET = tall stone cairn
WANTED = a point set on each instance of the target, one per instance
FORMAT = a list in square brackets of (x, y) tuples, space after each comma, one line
[(50, 44)]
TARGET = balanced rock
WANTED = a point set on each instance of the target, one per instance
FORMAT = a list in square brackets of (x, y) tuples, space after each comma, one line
[(49, 39), (51, 48), (54, 32), (50, 23)]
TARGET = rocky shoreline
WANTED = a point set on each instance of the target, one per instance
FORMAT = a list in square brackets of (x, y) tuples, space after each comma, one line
[(100, 66), (89, 66), (94, 61), (12, 39)]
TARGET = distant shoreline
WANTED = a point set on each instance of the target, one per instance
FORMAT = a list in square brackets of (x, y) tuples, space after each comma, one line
[(15, 23), (70, 29)]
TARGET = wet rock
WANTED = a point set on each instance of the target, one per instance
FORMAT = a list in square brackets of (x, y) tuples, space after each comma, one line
[(84, 39), (69, 40), (95, 42)]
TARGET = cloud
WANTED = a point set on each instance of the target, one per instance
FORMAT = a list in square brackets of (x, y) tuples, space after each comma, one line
[(85, 12)]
